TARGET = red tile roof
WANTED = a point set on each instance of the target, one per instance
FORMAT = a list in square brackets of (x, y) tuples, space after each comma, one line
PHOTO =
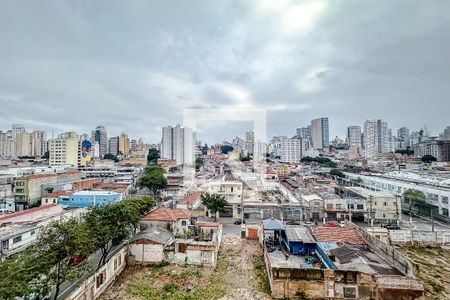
[(110, 186), (168, 214), (57, 194), (191, 198), (347, 235), (39, 176), (71, 172), (27, 211), (207, 224)]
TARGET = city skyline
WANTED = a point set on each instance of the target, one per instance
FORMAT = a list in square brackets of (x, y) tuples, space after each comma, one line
[(237, 55)]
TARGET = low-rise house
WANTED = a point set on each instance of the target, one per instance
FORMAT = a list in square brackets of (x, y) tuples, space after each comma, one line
[(312, 207), (20, 230), (191, 201), (93, 284), (52, 198), (231, 189), (335, 263), (28, 190), (32, 214), (148, 246), (175, 220), (202, 248), (89, 198), (16, 238), (382, 207), (335, 207)]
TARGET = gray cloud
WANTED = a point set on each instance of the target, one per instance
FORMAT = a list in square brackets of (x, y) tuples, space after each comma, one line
[(134, 66)]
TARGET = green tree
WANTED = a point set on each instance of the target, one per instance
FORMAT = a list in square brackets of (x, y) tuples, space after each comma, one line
[(337, 173), (245, 158), (108, 226), (214, 203), (416, 198), (198, 163), (111, 157), (65, 246), (59, 255), (153, 155), (428, 158), (205, 149), (226, 148), (153, 178), (173, 169)]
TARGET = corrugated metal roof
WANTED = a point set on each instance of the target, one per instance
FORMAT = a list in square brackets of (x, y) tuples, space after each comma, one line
[(299, 234)]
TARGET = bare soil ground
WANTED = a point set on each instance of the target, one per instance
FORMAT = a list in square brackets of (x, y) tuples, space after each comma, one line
[(241, 280), (434, 269), (239, 274)]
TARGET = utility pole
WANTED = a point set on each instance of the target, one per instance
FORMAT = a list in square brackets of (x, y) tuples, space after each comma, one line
[(370, 223), (432, 221)]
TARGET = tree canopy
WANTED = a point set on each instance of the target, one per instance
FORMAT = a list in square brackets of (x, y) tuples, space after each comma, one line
[(323, 161), (214, 203), (417, 199), (111, 157), (226, 148), (153, 178), (337, 173), (152, 156), (61, 251), (428, 158)]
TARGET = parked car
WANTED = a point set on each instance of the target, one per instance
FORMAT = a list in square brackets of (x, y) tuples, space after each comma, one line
[(392, 226), (308, 223), (293, 223), (238, 222), (342, 223), (331, 224)]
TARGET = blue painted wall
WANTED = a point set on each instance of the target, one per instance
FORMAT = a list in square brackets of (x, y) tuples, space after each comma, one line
[(88, 200)]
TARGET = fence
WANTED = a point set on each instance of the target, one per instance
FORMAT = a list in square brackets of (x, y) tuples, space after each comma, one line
[(419, 237)]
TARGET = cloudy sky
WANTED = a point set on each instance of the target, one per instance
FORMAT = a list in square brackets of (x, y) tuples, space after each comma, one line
[(135, 65)]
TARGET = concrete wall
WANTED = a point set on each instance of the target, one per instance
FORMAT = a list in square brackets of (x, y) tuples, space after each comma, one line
[(420, 237), (393, 256)]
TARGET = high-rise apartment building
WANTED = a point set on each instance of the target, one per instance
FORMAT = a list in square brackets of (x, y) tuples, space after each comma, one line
[(291, 150), (167, 143), (320, 136), (304, 132), (17, 129), (7, 144), (250, 141), (133, 145), (446, 134), (403, 138), (40, 142), (24, 144), (376, 138), (101, 136), (178, 144), (124, 144), (64, 150), (114, 145), (354, 138)]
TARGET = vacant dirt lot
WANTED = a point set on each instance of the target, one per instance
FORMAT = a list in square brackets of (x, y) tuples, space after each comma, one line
[(239, 275), (434, 266)]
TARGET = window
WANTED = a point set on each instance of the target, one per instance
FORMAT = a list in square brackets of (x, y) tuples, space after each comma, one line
[(360, 206), (329, 206), (100, 279), (385, 203), (338, 206), (183, 223), (17, 239), (33, 232), (349, 292)]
